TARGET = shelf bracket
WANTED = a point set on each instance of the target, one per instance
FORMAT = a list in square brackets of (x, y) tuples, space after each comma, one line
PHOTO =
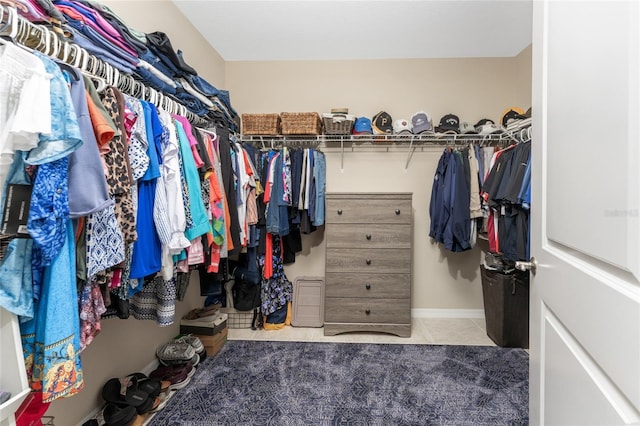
[(409, 154)]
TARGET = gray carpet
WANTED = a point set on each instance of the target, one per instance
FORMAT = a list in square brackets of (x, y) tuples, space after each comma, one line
[(294, 383)]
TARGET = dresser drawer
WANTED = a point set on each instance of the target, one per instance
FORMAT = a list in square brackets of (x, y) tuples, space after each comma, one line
[(368, 236), (381, 286), (363, 210), (367, 310), (368, 260)]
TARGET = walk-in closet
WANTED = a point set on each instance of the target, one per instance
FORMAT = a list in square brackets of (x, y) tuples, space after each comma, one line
[(319, 212)]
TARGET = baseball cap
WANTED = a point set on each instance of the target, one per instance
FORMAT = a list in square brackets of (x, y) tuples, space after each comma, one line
[(467, 128), (362, 126), (486, 126), (450, 123), (401, 127), (513, 113), (527, 114), (382, 123), (421, 122)]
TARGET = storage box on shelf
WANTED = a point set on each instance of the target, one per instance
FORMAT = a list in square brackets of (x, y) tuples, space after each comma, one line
[(301, 123), (338, 124), (261, 124)]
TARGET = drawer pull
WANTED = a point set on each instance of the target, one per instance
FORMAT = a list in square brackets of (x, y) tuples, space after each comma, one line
[(397, 211), (368, 261), (367, 311), (368, 236), (339, 211), (367, 286)]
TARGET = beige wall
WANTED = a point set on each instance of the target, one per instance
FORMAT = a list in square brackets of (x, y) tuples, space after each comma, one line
[(523, 70), (471, 88), (127, 346)]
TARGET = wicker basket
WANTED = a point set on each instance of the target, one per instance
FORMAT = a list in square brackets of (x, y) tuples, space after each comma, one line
[(260, 124), (338, 124), (301, 123)]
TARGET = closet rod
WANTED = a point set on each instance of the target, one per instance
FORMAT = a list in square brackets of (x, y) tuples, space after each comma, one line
[(30, 36)]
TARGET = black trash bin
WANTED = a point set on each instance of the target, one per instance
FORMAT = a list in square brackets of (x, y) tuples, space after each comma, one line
[(506, 307)]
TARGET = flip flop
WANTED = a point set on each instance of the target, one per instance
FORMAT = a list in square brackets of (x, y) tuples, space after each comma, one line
[(124, 391), (115, 415), (146, 406), (151, 386)]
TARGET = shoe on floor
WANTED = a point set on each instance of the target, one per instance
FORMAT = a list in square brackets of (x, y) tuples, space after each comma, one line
[(173, 352), (177, 376), (115, 415), (193, 341)]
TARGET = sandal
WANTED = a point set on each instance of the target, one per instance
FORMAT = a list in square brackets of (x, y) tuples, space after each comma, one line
[(202, 312), (124, 391), (115, 415), (151, 386)]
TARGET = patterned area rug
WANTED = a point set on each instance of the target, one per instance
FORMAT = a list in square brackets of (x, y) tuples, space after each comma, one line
[(294, 383)]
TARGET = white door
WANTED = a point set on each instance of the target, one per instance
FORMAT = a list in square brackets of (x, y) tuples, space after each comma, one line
[(585, 295)]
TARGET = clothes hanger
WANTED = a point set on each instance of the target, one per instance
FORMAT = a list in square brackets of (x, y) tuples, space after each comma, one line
[(23, 33), (127, 84), (116, 76), (7, 22), (99, 83), (122, 84), (106, 73), (52, 41), (65, 51), (160, 100)]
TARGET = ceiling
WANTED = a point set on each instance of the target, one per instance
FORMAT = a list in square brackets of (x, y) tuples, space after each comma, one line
[(243, 30)]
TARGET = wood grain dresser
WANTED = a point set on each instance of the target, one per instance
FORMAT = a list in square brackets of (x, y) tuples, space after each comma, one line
[(368, 263)]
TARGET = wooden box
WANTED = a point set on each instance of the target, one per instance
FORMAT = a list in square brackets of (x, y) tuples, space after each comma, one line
[(213, 344)]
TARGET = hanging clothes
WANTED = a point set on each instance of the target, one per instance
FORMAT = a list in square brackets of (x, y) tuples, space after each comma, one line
[(449, 208), (25, 104), (502, 190)]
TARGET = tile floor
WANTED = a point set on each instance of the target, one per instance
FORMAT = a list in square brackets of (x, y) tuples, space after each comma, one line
[(435, 331)]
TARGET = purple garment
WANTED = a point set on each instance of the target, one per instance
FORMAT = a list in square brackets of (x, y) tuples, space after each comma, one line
[(88, 191), (99, 40), (93, 19), (35, 13), (117, 61)]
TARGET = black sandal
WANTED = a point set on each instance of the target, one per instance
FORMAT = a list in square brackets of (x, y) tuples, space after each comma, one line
[(124, 391), (115, 415)]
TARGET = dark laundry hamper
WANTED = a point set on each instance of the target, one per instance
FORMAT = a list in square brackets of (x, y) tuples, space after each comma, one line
[(506, 307)]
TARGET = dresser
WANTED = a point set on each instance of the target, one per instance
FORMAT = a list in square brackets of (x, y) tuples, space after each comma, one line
[(368, 263)]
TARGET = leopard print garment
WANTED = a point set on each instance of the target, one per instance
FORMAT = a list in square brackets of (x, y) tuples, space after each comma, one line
[(118, 174)]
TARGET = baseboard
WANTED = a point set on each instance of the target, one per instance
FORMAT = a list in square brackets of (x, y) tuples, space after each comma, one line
[(447, 313)]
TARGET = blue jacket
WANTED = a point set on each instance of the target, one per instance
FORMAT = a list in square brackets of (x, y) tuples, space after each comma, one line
[(449, 207)]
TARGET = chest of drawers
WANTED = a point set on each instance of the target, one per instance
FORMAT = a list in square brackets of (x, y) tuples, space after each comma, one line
[(368, 263)]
